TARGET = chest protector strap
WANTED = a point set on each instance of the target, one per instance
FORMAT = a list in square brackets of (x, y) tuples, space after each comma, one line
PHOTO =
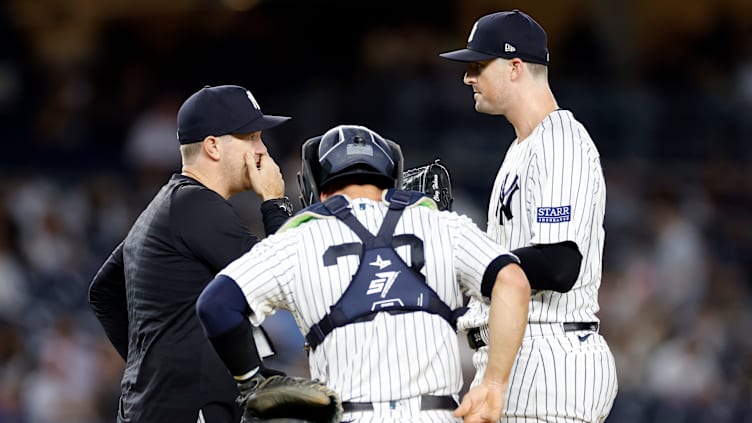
[(383, 281)]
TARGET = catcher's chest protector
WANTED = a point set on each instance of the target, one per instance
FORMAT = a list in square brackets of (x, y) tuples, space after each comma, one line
[(383, 281)]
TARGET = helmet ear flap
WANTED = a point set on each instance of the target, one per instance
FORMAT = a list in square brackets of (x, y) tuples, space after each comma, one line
[(398, 162), (308, 177)]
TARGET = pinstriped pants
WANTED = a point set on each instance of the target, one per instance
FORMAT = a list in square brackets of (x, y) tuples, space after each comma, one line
[(557, 377)]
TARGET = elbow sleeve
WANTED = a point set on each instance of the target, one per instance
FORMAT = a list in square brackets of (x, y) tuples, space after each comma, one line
[(489, 276), (553, 267), (221, 306)]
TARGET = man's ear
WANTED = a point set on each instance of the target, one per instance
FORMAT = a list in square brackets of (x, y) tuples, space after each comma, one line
[(516, 67), (211, 146)]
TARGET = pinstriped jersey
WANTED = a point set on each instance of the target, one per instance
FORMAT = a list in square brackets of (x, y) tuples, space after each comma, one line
[(549, 189), (392, 356)]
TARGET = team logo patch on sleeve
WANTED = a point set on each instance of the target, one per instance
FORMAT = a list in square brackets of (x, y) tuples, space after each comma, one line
[(554, 214)]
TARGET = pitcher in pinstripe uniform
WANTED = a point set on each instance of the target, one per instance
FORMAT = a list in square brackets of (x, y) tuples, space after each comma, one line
[(547, 206), (375, 277)]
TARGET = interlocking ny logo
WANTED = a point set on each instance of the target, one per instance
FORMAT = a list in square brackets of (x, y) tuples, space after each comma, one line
[(505, 198), (253, 100), (472, 32)]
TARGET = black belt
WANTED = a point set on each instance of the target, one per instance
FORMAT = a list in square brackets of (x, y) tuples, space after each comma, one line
[(575, 326), (427, 402), (475, 341)]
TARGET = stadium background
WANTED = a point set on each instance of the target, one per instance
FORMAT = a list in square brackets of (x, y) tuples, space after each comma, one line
[(88, 95)]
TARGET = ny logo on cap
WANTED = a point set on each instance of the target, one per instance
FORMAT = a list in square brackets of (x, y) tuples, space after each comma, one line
[(508, 48), (472, 32), (253, 100)]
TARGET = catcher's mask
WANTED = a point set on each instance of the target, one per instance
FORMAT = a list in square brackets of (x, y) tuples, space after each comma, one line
[(347, 150)]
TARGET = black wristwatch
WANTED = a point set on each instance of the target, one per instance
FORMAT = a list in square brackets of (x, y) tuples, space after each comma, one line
[(283, 203)]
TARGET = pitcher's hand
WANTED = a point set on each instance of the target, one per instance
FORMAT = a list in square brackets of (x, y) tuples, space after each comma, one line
[(482, 404)]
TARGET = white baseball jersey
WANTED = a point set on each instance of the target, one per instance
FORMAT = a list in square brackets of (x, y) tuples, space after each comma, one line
[(392, 357), (550, 189)]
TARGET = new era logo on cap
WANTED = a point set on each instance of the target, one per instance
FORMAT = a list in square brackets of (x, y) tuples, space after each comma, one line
[(511, 34)]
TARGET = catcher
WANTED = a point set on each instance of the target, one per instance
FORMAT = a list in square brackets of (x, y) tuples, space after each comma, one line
[(375, 277)]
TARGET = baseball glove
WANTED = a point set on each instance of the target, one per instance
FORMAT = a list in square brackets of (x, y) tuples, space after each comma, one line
[(431, 179), (288, 397)]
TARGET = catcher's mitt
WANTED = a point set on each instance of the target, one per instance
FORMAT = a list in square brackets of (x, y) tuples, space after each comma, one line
[(289, 397), (431, 179)]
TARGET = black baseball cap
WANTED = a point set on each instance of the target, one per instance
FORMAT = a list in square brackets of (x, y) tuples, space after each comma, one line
[(504, 34), (222, 110)]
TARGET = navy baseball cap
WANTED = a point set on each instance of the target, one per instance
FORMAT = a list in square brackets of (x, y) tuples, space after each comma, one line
[(504, 34), (222, 110)]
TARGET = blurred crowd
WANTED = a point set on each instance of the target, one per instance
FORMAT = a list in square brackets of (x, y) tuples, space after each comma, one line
[(90, 136)]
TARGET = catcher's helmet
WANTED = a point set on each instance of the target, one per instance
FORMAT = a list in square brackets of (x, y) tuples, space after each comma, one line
[(347, 150)]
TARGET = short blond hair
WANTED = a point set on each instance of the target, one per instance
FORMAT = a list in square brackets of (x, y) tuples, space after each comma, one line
[(537, 70), (189, 152)]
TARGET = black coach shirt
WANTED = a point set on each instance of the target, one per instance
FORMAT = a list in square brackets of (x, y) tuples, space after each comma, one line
[(144, 295)]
